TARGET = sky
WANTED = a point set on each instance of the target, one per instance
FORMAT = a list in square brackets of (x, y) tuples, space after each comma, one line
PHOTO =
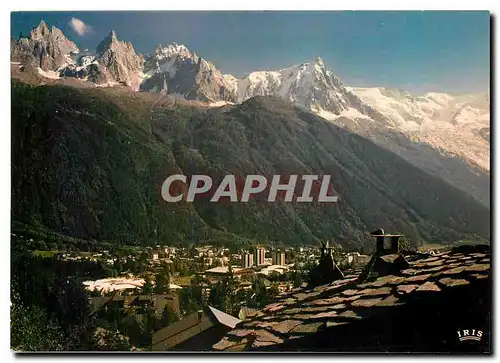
[(420, 52)]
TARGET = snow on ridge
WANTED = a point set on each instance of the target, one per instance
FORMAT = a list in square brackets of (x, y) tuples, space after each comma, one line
[(350, 112), (219, 104), (48, 74), (439, 98), (448, 123), (175, 49)]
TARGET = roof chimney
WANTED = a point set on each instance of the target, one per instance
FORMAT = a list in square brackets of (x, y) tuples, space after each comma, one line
[(379, 235), (395, 244)]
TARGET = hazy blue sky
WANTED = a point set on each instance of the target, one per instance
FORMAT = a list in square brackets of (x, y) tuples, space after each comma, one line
[(415, 51)]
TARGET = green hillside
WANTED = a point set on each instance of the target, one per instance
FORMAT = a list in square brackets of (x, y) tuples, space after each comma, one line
[(89, 165)]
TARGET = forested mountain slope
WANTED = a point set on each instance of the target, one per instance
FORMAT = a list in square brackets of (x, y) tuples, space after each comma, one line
[(88, 164)]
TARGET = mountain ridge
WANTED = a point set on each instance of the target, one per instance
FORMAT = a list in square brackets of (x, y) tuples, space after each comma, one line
[(454, 127), (97, 174), (48, 49)]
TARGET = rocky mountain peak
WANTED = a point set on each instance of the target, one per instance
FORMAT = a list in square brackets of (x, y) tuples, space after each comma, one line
[(46, 48), (180, 50), (309, 84), (320, 62), (110, 41), (175, 69), (121, 60), (41, 31), (158, 50)]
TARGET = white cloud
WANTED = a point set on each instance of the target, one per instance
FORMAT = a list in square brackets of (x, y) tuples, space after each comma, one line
[(79, 26)]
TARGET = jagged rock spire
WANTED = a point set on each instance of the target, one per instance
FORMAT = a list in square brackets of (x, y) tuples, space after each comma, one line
[(40, 32), (47, 48), (121, 60)]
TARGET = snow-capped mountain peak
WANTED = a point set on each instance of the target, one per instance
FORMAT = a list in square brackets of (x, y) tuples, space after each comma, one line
[(167, 59), (175, 69), (172, 50), (456, 125), (309, 84), (319, 61)]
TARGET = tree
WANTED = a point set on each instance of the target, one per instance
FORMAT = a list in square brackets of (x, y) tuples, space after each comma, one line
[(190, 298), (131, 328), (95, 293), (131, 265), (141, 267), (143, 258), (218, 296), (151, 323), (112, 340), (223, 293), (32, 330), (162, 280), (261, 295), (45, 298), (241, 296), (405, 244), (296, 276), (147, 288), (169, 316), (162, 284), (231, 285), (273, 291), (274, 276), (118, 266)]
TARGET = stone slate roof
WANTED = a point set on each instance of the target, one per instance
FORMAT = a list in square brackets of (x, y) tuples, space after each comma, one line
[(303, 313), (189, 327)]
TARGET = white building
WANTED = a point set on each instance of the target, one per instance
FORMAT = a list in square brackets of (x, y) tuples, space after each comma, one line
[(247, 260), (224, 261), (278, 258), (260, 255), (273, 268)]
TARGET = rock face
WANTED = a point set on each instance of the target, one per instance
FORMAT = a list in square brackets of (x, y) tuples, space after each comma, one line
[(50, 50), (120, 59), (93, 72), (114, 62), (176, 70), (46, 48)]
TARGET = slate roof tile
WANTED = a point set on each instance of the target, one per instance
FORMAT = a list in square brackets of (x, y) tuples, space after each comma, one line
[(429, 286), (294, 315), (453, 282)]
